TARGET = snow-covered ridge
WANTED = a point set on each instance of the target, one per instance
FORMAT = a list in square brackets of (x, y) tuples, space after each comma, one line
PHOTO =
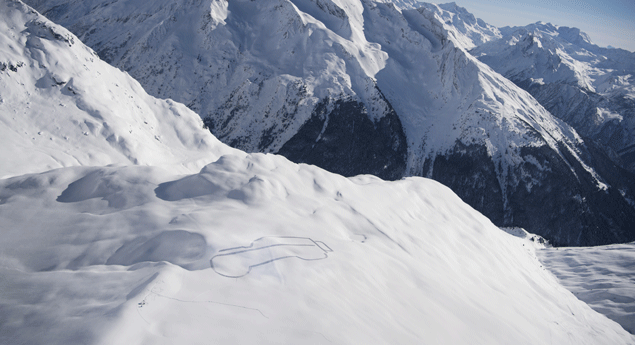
[(279, 74), (538, 39), (465, 30), (403, 4), (269, 251), (60, 105)]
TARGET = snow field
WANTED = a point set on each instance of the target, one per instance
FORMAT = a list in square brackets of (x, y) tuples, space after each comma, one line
[(600, 276), (330, 260)]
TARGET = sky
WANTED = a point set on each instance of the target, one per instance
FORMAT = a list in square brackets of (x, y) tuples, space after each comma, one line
[(608, 22)]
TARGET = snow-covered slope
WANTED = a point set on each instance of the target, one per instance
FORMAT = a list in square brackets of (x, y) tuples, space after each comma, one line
[(257, 249), (359, 86), (589, 87), (60, 105), (250, 249), (601, 276)]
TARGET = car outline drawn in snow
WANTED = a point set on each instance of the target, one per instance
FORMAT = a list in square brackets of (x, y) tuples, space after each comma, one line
[(237, 262)]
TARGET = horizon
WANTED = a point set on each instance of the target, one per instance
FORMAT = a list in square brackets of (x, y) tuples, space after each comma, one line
[(609, 24)]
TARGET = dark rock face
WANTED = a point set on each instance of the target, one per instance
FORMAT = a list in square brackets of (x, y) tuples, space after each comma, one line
[(560, 201), (569, 208), (471, 174), (347, 142)]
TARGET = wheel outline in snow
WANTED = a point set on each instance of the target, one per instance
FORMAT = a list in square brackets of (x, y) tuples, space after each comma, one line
[(246, 249)]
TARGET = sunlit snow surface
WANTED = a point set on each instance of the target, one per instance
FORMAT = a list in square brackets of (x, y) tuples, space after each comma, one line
[(256, 249), (137, 240), (61, 106), (603, 277)]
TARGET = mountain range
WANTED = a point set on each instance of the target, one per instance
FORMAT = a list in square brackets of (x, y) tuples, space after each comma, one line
[(372, 87), (589, 87)]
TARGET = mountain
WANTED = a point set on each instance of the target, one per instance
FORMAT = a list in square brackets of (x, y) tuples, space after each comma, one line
[(461, 26), (61, 106), (257, 86), (403, 4), (589, 87), (250, 248), (358, 86)]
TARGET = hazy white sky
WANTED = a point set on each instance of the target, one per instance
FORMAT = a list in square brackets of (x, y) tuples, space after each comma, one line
[(608, 22)]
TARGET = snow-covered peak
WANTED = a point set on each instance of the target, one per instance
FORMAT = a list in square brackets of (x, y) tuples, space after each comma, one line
[(404, 4), (280, 59), (575, 36), (462, 12), (60, 105), (590, 87), (568, 34), (462, 27), (538, 50), (560, 54)]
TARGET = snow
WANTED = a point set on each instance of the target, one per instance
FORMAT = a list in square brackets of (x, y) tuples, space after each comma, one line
[(404, 4), (604, 115), (257, 65), (270, 252), (65, 107), (258, 70), (465, 30), (536, 241), (183, 240), (440, 96), (566, 56), (600, 276)]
